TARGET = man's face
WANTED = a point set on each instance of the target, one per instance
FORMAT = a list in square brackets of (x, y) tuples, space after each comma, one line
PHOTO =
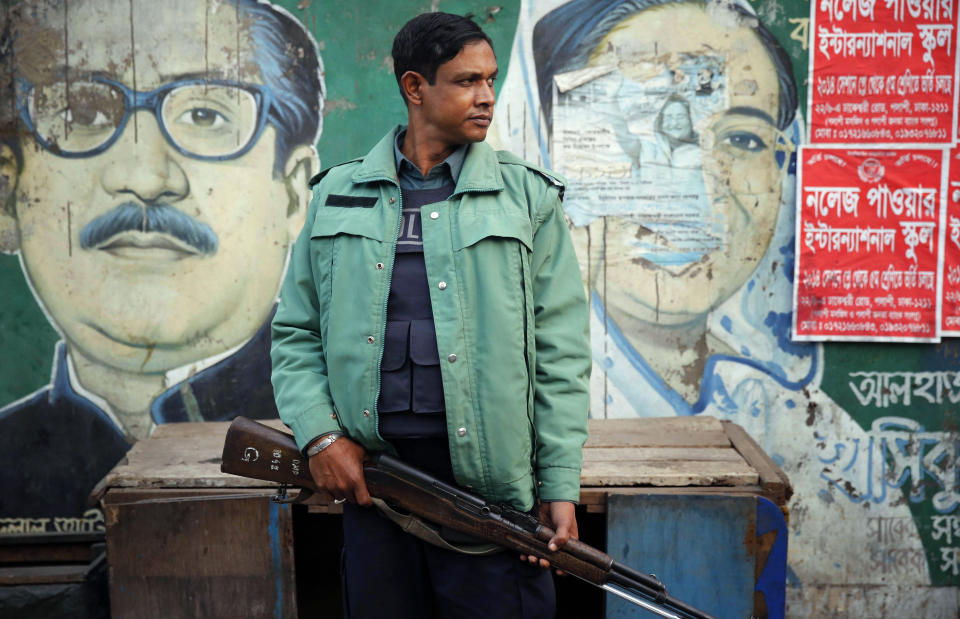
[(740, 172), (459, 105), (149, 299)]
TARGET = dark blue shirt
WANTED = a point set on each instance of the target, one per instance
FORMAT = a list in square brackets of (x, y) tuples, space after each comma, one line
[(410, 177)]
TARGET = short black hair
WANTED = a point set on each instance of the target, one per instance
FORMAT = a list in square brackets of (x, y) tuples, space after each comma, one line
[(431, 39)]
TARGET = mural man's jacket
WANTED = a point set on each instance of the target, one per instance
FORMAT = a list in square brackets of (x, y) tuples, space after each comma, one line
[(508, 306)]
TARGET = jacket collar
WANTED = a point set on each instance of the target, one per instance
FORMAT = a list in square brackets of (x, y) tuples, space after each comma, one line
[(481, 169)]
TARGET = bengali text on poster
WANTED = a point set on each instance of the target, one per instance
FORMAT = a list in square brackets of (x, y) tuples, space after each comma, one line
[(868, 244), (883, 71), (950, 322)]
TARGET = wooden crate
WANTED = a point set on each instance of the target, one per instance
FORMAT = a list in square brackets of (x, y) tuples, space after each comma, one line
[(185, 540)]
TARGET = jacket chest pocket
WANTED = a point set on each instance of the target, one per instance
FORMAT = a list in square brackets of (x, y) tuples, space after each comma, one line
[(341, 240), (473, 230), (492, 251), (332, 221)]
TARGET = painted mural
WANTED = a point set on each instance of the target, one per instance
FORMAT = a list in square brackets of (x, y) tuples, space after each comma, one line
[(153, 174), (676, 125), (129, 204)]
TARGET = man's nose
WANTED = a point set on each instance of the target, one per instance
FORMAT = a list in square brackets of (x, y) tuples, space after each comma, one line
[(143, 164), (485, 94)]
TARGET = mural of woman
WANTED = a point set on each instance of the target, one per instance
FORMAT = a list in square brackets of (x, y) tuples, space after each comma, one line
[(691, 282), (679, 322)]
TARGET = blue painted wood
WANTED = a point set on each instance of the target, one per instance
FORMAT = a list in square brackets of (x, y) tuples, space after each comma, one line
[(700, 546), (772, 582)]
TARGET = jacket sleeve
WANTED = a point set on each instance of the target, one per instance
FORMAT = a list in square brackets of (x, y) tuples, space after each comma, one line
[(563, 362), (299, 375)]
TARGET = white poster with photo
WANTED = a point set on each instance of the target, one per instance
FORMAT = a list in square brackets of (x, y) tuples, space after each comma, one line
[(632, 148)]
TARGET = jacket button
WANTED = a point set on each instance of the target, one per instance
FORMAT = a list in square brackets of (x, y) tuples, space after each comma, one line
[(392, 199), (461, 431), (333, 415), (379, 266), (452, 358), (434, 215), (371, 339), (366, 412), (442, 285)]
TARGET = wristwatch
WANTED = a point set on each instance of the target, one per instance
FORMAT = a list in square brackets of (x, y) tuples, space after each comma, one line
[(322, 443)]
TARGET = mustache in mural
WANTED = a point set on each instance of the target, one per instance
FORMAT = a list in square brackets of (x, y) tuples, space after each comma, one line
[(161, 218)]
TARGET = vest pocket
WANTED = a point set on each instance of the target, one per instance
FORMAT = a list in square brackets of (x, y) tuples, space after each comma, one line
[(394, 369), (427, 380)]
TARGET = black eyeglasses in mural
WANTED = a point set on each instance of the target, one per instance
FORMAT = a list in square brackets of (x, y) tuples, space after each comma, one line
[(205, 119)]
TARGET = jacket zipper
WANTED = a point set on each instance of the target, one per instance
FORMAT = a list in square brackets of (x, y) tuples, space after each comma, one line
[(386, 300), (530, 370)]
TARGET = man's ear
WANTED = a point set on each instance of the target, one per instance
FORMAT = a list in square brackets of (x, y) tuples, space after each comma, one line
[(301, 165), (411, 83), (9, 178)]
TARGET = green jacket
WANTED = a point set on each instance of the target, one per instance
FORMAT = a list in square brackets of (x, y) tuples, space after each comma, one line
[(511, 320)]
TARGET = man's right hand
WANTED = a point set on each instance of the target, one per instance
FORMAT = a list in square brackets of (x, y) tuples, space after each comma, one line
[(338, 469)]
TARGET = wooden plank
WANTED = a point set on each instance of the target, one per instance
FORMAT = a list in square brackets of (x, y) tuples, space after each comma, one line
[(773, 480), (206, 428), (324, 508), (595, 499), (653, 452), (189, 461), (692, 431), (659, 454), (46, 553), (43, 574), (192, 557), (181, 430), (673, 473), (116, 496), (179, 455)]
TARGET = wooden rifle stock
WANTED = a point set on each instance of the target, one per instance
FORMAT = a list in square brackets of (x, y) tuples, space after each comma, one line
[(257, 451)]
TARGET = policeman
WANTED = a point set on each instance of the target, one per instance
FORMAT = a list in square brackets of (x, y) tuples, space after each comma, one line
[(433, 309)]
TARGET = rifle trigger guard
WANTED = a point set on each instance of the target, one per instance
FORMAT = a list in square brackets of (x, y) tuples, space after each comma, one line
[(284, 499)]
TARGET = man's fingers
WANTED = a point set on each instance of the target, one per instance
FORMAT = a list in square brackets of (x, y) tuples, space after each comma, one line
[(362, 494), (559, 538)]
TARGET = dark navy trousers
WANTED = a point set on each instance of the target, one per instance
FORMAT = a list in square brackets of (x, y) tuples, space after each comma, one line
[(391, 574)]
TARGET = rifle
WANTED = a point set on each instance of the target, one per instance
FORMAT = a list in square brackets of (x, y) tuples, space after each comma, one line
[(254, 450)]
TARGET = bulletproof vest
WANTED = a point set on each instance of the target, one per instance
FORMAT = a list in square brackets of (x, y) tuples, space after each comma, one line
[(411, 387)]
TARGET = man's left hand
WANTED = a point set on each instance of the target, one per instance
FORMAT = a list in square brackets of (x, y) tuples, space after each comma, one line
[(561, 516)]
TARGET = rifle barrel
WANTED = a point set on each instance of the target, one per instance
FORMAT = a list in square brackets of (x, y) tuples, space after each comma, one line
[(641, 602)]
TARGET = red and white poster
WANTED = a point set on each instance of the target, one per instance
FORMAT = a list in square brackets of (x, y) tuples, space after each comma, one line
[(868, 244), (951, 251), (883, 71)]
